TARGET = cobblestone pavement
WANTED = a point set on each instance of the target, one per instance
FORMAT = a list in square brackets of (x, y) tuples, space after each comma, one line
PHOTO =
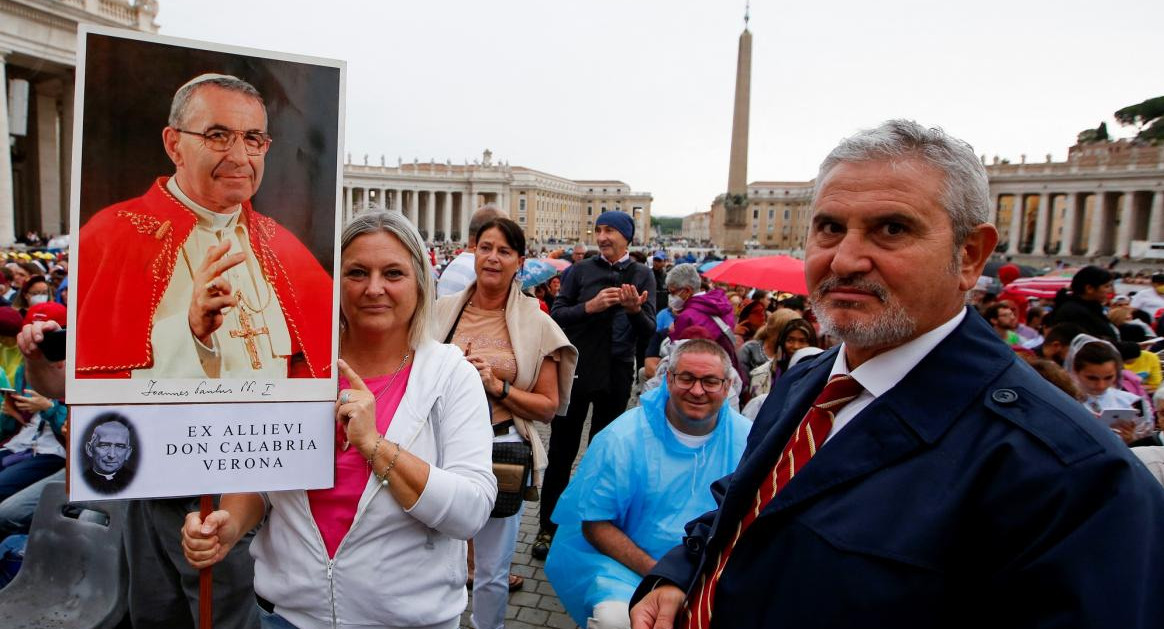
[(536, 604)]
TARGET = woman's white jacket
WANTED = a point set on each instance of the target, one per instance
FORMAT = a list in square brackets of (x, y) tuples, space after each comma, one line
[(395, 568)]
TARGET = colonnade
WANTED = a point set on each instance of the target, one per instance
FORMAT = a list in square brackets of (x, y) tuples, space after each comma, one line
[(1092, 222), (43, 126), (441, 215)]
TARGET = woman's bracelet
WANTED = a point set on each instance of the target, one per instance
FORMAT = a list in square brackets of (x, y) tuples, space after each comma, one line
[(375, 449), (383, 478)]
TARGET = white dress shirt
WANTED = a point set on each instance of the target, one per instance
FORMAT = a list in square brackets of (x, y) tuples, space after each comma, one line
[(882, 372)]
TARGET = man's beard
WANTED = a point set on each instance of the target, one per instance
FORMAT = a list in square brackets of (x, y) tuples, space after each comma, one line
[(893, 326)]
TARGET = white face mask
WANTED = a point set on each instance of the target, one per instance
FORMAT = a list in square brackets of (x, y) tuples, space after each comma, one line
[(675, 303), (37, 299)]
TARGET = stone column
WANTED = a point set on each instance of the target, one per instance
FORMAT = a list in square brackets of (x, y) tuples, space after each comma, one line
[(414, 208), (48, 154), (396, 200), (1070, 219), (1098, 232), (1042, 221), (1156, 218), (1016, 224), (348, 207), (468, 206), (430, 216), (1127, 211), (7, 204), (447, 215), (384, 198), (67, 145)]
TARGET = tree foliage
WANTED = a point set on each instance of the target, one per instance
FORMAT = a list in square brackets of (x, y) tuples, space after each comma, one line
[(1090, 136), (1142, 113), (666, 225), (1148, 116)]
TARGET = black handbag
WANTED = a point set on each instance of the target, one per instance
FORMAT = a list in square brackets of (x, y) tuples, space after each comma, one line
[(512, 462)]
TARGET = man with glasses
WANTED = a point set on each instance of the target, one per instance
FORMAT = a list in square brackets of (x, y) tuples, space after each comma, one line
[(216, 289), (108, 451), (606, 306), (643, 477)]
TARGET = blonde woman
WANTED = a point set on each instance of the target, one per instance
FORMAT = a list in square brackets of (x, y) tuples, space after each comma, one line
[(386, 545)]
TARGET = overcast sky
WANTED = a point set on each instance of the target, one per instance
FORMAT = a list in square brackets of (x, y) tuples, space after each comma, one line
[(641, 90)]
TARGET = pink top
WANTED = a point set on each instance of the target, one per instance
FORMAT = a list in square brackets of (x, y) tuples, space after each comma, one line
[(334, 509)]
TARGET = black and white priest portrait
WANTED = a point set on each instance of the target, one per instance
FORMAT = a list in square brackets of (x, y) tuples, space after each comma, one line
[(109, 446)]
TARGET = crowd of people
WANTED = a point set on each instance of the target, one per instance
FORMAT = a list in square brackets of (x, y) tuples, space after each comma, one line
[(33, 287), (896, 448)]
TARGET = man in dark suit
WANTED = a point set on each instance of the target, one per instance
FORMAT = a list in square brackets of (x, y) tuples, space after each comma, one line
[(936, 480), (108, 451)]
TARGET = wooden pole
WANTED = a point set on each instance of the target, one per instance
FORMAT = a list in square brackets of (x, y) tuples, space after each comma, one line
[(205, 581)]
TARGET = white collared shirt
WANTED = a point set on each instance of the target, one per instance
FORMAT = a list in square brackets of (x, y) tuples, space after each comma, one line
[(624, 258), (882, 372)]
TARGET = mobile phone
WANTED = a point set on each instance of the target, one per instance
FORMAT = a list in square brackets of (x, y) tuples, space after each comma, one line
[(6, 391), (1113, 415), (53, 345)]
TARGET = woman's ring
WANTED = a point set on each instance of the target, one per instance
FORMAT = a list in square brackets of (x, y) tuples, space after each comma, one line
[(345, 398)]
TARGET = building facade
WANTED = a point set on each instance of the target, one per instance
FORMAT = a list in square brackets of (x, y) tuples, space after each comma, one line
[(1105, 197), (38, 60), (776, 217), (440, 198), (697, 227), (1102, 201)]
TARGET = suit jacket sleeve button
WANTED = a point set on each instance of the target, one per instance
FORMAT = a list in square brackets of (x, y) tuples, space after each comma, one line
[(1004, 396)]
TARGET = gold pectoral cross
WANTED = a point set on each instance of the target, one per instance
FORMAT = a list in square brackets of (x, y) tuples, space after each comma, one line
[(248, 334)]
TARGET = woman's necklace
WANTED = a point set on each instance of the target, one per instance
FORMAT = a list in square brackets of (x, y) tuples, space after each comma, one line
[(502, 309), (476, 294), (347, 444)]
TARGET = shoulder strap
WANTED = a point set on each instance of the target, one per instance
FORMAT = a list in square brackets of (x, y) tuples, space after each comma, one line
[(453, 329), (723, 327)]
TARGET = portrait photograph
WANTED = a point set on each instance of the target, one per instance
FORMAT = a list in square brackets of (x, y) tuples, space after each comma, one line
[(108, 451), (204, 222)]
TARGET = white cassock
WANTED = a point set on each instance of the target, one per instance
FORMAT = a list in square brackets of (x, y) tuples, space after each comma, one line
[(176, 352)]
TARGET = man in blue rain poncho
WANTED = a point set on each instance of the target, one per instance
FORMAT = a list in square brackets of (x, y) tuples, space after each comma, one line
[(642, 479)]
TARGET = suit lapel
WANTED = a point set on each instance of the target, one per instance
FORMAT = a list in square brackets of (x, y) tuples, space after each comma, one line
[(874, 439), (909, 417), (787, 403)]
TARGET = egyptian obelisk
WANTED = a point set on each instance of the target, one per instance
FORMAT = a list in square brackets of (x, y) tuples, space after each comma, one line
[(735, 203)]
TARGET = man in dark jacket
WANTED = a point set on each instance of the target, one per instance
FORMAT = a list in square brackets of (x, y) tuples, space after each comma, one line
[(659, 268), (607, 303), (934, 480), (1084, 304)]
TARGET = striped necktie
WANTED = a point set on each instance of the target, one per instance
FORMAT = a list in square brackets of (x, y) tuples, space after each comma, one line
[(813, 430)]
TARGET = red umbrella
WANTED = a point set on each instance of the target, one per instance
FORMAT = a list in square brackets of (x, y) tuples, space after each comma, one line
[(1043, 287), (780, 273)]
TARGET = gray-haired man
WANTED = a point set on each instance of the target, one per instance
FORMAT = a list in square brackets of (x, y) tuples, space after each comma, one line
[(919, 475)]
